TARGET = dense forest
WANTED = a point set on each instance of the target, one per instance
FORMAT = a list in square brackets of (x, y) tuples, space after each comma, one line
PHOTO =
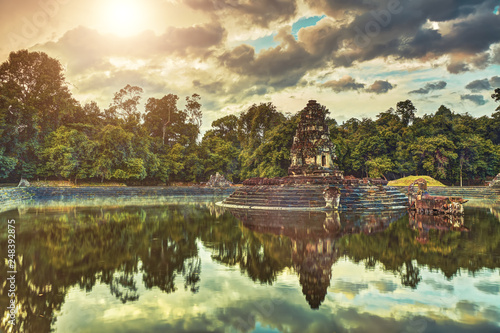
[(45, 133)]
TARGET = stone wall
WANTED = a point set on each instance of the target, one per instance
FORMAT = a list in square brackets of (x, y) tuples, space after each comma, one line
[(473, 193), (11, 198)]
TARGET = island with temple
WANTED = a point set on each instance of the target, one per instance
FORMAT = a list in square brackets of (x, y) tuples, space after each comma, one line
[(314, 181)]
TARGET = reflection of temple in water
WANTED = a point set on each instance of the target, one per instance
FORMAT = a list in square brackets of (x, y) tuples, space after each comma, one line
[(314, 237), (443, 222)]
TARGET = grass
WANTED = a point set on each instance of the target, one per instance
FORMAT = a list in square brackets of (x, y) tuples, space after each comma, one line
[(410, 179)]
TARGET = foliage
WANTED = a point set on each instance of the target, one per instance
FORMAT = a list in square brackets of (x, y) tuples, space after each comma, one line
[(45, 132)]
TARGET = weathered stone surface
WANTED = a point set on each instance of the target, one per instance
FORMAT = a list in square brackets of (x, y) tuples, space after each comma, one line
[(23, 183), (496, 181), (218, 180), (313, 153)]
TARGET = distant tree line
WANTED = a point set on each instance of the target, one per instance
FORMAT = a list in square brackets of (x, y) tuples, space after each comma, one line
[(46, 134)]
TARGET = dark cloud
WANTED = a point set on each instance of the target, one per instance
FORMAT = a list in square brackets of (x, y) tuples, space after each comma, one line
[(484, 84), (259, 12), (403, 33), (495, 82), (431, 86), (374, 29), (457, 67), (282, 66), (478, 85), (476, 99), (380, 87), (344, 84)]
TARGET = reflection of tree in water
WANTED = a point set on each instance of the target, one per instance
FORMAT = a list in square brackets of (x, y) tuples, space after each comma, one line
[(123, 287), (59, 249), (447, 249), (410, 275)]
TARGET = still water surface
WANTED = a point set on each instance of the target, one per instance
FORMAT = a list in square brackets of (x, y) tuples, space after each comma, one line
[(198, 268)]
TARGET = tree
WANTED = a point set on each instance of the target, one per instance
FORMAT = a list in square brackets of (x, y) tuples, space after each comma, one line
[(433, 155), (379, 166), (68, 153), (162, 113), (477, 157), (225, 128), (406, 110), (496, 97), (34, 101), (117, 156), (220, 156), (255, 122), (124, 105), (193, 109), (7, 164)]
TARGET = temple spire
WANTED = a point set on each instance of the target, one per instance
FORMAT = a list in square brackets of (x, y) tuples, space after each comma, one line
[(313, 153)]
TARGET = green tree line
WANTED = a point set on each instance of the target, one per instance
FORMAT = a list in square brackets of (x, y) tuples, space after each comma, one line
[(45, 133)]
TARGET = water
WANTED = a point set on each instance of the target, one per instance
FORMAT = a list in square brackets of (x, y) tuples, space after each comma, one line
[(197, 268)]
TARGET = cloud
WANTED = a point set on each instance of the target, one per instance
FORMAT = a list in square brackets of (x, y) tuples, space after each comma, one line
[(380, 87), (495, 82), (374, 32), (478, 85), (484, 84), (259, 12), (457, 67), (431, 86), (87, 49), (279, 67), (476, 99), (343, 84)]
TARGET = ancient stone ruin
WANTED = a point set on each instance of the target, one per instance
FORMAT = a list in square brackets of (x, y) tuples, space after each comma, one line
[(496, 181), (314, 182), (313, 153), (218, 180), (23, 183)]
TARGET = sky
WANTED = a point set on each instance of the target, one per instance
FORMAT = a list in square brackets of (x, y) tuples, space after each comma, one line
[(356, 57)]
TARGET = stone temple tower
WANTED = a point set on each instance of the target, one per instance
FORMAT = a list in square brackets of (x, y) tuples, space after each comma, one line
[(313, 153)]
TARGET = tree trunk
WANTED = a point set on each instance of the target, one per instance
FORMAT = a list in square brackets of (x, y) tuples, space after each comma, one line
[(461, 166), (164, 131)]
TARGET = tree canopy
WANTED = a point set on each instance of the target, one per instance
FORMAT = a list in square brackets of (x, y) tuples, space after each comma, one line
[(45, 132)]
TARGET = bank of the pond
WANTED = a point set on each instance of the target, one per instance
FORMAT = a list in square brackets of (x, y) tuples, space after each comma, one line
[(472, 193), (11, 198)]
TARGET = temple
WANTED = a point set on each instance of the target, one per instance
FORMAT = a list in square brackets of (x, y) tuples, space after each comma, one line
[(313, 153)]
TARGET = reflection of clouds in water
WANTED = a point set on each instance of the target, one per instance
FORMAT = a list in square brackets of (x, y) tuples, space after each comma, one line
[(385, 286), (488, 287), (492, 313), (439, 286), (349, 289), (467, 308)]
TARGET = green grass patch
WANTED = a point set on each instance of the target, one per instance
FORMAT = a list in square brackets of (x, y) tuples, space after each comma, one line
[(410, 179)]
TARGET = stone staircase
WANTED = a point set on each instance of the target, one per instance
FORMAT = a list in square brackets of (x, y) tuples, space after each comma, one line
[(310, 197)]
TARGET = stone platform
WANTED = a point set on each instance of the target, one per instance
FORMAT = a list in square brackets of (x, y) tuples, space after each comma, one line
[(310, 197)]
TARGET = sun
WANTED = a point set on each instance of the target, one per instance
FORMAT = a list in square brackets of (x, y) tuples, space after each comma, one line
[(124, 18)]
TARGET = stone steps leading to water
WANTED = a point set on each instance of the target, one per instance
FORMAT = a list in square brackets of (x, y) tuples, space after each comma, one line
[(310, 197)]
